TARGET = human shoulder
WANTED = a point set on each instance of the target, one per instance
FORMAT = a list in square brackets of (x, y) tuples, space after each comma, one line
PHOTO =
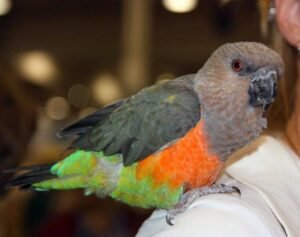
[(218, 215), (272, 170)]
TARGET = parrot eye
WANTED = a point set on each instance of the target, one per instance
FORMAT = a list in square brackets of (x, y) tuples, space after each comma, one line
[(237, 65)]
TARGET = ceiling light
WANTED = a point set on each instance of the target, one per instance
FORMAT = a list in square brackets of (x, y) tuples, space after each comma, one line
[(180, 6)]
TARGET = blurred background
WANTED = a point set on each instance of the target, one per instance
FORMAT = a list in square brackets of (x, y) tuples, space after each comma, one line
[(62, 59)]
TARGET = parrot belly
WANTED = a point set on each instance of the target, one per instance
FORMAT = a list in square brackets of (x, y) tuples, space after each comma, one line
[(160, 179)]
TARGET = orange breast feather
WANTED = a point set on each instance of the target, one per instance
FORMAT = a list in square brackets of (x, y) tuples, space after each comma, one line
[(187, 162)]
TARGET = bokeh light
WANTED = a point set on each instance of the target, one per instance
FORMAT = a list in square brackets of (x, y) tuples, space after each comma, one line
[(38, 67), (57, 108), (165, 76), (5, 7), (106, 89), (180, 6), (78, 95)]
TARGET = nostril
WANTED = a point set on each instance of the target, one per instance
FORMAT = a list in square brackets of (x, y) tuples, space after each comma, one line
[(275, 76)]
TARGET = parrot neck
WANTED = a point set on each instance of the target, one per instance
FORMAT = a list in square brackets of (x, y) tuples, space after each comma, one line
[(226, 134), (230, 122)]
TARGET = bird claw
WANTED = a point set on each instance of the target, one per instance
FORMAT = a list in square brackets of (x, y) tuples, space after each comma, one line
[(189, 197), (236, 190), (170, 218)]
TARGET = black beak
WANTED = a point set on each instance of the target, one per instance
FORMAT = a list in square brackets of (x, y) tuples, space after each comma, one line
[(263, 87)]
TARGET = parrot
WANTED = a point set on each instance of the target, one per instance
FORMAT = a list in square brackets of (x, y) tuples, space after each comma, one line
[(166, 145)]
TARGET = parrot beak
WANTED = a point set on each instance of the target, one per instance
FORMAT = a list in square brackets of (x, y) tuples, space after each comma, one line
[(263, 87)]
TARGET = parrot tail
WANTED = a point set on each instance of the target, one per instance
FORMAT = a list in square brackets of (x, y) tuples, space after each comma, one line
[(91, 171), (33, 174)]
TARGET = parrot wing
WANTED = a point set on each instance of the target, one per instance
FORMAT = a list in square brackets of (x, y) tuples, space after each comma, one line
[(142, 124), (83, 125)]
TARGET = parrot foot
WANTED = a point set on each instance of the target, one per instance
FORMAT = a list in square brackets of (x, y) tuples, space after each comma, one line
[(189, 197)]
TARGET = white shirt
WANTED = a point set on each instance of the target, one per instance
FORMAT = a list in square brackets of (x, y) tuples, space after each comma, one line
[(269, 205)]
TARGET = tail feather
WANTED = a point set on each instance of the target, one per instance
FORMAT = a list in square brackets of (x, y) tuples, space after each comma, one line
[(92, 171), (29, 168), (33, 174)]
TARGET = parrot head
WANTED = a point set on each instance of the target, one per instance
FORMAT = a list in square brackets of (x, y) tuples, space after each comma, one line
[(241, 74)]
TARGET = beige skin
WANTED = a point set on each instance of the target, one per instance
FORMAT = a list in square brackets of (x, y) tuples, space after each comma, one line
[(288, 21)]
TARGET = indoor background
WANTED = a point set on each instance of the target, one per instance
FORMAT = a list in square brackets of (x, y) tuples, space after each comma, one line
[(62, 59)]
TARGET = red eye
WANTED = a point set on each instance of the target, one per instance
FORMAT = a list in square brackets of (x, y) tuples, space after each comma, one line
[(237, 65)]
